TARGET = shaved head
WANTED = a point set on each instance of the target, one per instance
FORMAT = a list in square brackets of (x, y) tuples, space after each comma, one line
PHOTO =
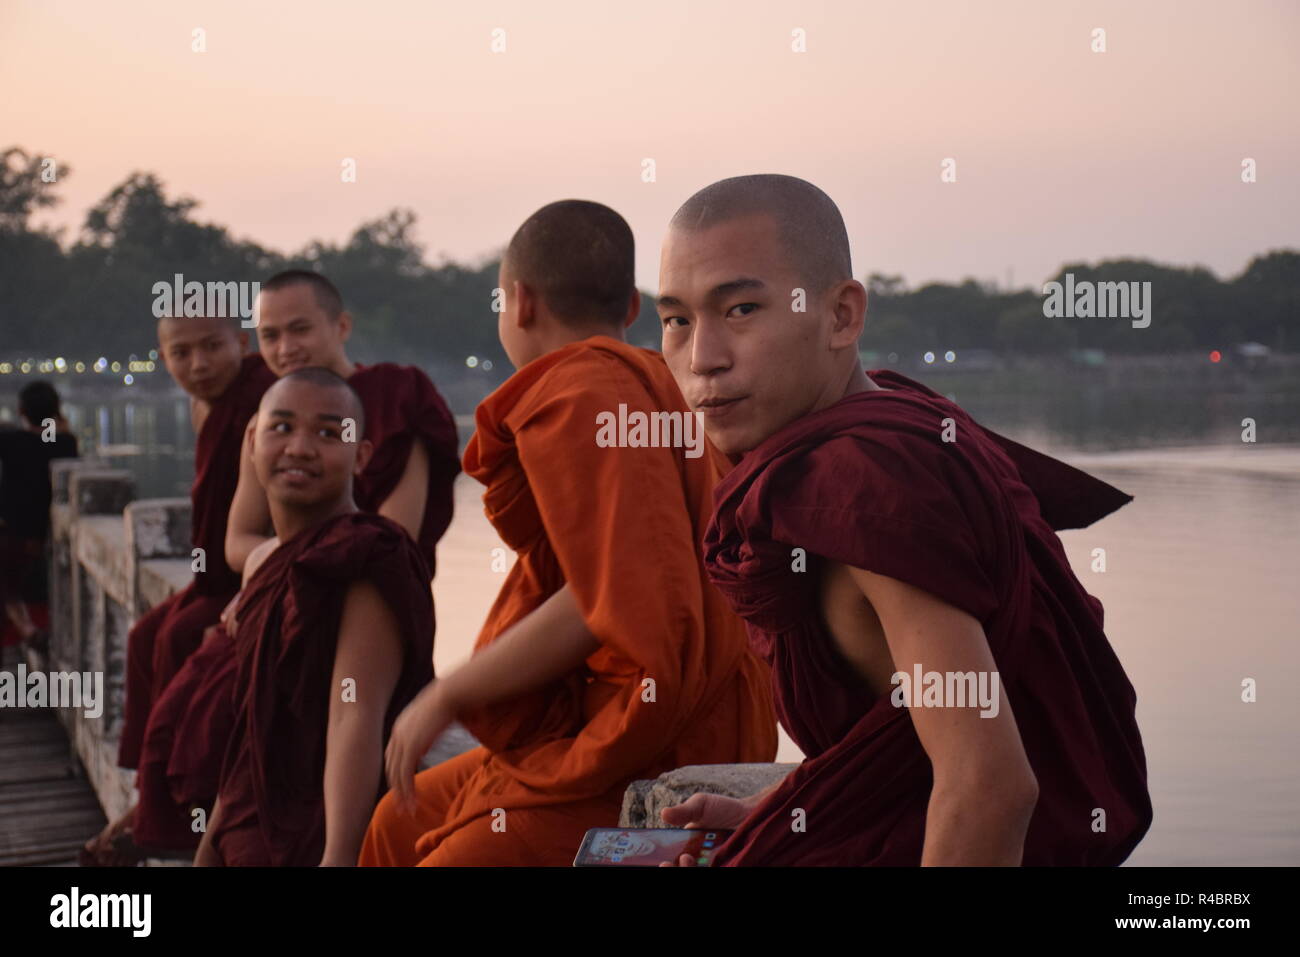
[(326, 293), (322, 378), (808, 222), (579, 257)]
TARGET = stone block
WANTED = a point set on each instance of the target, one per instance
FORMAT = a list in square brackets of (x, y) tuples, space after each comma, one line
[(643, 800), (158, 528), (94, 491)]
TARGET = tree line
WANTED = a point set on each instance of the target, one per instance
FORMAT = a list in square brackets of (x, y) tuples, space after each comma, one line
[(92, 296)]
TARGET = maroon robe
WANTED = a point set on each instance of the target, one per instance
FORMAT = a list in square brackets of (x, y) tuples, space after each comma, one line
[(162, 639), (184, 744), (401, 406), (868, 482), (272, 783), (189, 732)]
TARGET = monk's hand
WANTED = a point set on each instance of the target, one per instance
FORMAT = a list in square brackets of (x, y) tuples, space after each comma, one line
[(416, 728), (705, 810), (228, 613), (708, 810)]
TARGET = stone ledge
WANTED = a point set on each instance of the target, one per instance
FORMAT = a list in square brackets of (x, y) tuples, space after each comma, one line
[(643, 800), (99, 546), (160, 578)]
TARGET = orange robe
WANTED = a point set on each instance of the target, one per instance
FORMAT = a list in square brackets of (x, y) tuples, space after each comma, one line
[(622, 527)]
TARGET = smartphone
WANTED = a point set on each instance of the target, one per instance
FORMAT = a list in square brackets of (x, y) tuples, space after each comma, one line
[(647, 846)]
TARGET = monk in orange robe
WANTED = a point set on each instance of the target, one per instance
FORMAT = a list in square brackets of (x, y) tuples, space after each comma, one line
[(607, 656)]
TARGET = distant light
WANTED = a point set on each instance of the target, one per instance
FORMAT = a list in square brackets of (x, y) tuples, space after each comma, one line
[(151, 365), (131, 357), (471, 361), (893, 357), (101, 364), (128, 379), (950, 356), (153, 354), (61, 364), (25, 367), (929, 358), (116, 367), (487, 365), (5, 368), (1215, 356), (80, 367)]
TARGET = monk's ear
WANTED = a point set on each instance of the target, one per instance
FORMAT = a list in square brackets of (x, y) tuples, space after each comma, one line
[(345, 325), (365, 449), (243, 343), (525, 304), (849, 308), (633, 308)]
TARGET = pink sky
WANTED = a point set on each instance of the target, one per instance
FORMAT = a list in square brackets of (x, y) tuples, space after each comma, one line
[(1062, 154)]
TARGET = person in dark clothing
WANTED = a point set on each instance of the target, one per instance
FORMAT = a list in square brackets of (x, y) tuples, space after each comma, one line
[(25, 493)]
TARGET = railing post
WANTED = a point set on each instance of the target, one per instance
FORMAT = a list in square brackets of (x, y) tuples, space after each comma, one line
[(155, 528), (101, 617)]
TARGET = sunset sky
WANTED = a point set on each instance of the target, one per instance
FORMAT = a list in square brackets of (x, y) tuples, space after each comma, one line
[(1062, 154)]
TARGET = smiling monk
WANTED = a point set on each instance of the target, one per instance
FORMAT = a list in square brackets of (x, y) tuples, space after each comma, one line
[(871, 529), (334, 636), (607, 657), (408, 478)]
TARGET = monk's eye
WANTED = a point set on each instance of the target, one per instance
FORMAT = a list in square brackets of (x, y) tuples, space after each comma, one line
[(668, 322), (281, 427), (267, 336), (748, 308), (330, 433)]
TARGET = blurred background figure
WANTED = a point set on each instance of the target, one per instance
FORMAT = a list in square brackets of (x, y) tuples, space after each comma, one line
[(25, 453)]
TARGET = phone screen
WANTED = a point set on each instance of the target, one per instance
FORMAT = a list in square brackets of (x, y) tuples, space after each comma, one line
[(647, 846)]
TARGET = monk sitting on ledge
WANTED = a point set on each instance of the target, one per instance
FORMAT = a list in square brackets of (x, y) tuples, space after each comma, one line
[(873, 531), (333, 636), (607, 657)]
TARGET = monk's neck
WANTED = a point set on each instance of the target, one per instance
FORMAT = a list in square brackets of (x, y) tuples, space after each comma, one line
[(342, 366), (859, 381), (567, 337), (290, 520)]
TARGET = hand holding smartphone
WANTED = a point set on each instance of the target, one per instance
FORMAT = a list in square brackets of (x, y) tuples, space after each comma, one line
[(648, 846)]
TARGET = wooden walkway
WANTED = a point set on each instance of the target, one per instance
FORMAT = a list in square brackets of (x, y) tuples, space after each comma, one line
[(47, 807)]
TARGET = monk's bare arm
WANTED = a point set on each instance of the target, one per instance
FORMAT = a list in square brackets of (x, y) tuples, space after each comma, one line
[(549, 642), (250, 517), (405, 504), (369, 658), (984, 789)]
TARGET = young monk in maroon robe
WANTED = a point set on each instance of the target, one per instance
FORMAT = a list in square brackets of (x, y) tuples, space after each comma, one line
[(408, 478), (208, 358), (333, 635), (301, 322), (606, 656), (871, 531)]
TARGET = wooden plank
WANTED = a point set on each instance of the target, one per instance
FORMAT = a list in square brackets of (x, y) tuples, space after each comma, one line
[(47, 808)]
